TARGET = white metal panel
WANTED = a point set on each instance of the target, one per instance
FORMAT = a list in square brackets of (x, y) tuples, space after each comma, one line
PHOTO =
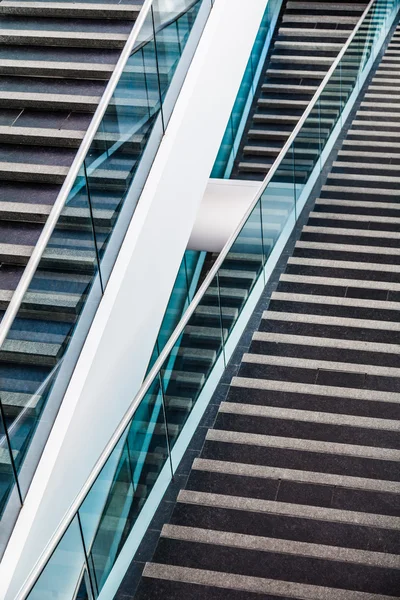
[(224, 205)]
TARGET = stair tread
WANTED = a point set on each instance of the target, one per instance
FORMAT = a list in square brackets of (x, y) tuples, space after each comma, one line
[(234, 540), (84, 9)]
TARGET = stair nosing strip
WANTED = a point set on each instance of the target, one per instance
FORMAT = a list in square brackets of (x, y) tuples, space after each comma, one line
[(280, 546), (306, 416), (358, 203), (295, 475), (287, 509), (362, 190), (336, 300), (328, 320), (351, 217), (343, 264), (303, 445), (316, 389), (70, 35), (321, 365), (324, 342), (348, 248), (249, 584), (374, 143), (368, 233), (337, 282), (253, 585)]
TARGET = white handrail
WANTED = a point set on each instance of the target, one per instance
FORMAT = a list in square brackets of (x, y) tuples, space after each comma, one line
[(72, 511)]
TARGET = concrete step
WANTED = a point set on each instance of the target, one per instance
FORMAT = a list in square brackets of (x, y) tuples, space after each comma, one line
[(305, 32), (74, 70), (320, 46), (278, 103), (324, 7), (37, 136), (320, 19), (63, 137), (55, 69), (38, 213), (292, 74), (30, 353), (62, 38), (303, 60), (69, 10), (266, 472), (289, 89), (25, 100), (343, 165), (10, 171)]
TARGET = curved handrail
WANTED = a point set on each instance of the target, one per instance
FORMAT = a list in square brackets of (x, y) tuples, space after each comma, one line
[(129, 414), (76, 166)]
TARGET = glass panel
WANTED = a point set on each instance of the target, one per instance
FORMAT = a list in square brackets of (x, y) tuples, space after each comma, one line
[(31, 356), (224, 153), (61, 578), (172, 30), (182, 294), (278, 202), (307, 147), (7, 480), (232, 137), (240, 270), (190, 362), (185, 23), (177, 305), (115, 153), (168, 42), (112, 506), (193, 261), (40, 334), (84, 587), (244, 91)]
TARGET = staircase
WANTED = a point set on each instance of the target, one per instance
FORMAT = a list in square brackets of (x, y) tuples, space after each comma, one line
[(296, 491), (198, 349), (55, 61), (308, 38), (299, 60)]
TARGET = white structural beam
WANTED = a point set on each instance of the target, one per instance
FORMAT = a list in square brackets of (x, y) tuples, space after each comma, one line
[(117, 350), (223, 207)]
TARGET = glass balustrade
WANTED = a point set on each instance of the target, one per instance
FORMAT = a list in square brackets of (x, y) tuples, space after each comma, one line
[(96, 533), (237, 120), (182, 294), (69, 282)]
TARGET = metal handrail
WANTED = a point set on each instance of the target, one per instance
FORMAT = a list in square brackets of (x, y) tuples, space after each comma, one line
[(129, 414), (76, 166)]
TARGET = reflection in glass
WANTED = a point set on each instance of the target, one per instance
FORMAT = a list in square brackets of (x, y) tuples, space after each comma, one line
[(112, 506), (191, 360), (71, 268)]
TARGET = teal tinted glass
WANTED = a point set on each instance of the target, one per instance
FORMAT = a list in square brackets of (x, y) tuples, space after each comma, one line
[(7, 479), (113, 505), (40, 334)]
